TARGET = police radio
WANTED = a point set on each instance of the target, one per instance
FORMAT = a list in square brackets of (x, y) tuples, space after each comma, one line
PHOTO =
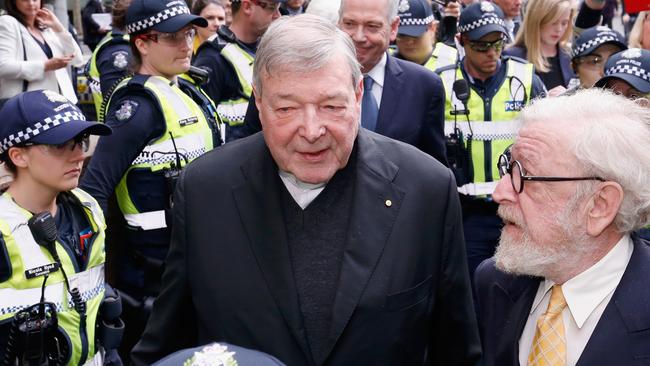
[(173, 173), (459, 154)]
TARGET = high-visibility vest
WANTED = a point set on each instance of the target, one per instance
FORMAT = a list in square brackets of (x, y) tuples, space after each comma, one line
[(21, 291), (233, 111), (492, 122), (192, 135), (441, 56), (111, 37)]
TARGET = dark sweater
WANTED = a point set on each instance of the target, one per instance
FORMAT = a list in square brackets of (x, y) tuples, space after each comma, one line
[(316, 237)]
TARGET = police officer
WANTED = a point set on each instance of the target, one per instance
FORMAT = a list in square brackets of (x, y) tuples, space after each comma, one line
[(628, 73), (416, 36), (161, 122), (480, 128), (110, 58), (590, 52), (52, 285), (229, 58)]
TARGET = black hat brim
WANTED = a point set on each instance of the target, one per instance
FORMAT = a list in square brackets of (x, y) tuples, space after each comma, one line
[(637, 83)]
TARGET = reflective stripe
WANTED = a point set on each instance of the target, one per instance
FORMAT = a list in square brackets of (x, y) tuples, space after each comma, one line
[(90, 284), (147, 220), (16, 218), (232, 112), (448, 77), (172, 98), (478, 189), (189, 146), (237, 57), (485, 130)]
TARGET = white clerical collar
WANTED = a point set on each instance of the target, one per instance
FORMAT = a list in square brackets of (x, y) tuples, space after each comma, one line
[(585, 291), (303, 193)]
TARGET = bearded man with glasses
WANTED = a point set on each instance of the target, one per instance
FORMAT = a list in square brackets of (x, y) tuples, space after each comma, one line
[(479, 129), (568, 282), (228, 57)]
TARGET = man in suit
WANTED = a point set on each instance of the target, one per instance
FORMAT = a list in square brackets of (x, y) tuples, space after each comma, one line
[(406, 101), (314, 241), (568, 282)]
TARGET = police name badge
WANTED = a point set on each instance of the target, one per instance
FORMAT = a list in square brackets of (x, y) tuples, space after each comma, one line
[(42, 270), (126, 110), (188, 121)]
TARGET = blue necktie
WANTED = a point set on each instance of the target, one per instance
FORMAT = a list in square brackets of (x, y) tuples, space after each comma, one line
[(369, 110)]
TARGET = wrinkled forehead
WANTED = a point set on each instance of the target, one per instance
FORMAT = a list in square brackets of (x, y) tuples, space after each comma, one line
[(543, 143)]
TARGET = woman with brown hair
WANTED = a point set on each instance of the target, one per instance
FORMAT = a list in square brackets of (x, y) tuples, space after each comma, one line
[(35, 50)]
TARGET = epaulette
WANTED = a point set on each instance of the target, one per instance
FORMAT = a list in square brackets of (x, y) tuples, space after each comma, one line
[(440, 70), (515, 58)]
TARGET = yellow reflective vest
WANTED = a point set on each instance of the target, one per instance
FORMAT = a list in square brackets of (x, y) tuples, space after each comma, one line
[(492, 122), (93, 70), (21, 291), (193, 137)]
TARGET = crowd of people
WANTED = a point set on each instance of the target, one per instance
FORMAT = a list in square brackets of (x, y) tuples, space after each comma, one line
[(271, 182)]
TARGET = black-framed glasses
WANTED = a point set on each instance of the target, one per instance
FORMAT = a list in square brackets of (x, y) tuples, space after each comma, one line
[(518, 175), (484, 46), (271, 7)]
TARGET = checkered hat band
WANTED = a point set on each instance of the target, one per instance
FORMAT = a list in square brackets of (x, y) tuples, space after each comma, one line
[(630, 70), (416, 21), (480, 23), (157, 18), (593, 42), (28, 133)]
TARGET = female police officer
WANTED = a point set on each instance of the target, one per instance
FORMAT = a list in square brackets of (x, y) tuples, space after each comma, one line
[(161, 122), (61, 276)]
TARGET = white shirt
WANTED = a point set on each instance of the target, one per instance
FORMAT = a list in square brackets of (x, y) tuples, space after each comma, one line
[(303, 193), (587, 295), (377, 74)]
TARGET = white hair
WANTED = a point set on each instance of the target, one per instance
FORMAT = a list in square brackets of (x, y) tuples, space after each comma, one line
[(391, 7), (609, 137), (328, 9), (303, 43)]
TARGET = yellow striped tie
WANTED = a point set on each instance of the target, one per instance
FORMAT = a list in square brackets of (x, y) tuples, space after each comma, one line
[(549, 344)]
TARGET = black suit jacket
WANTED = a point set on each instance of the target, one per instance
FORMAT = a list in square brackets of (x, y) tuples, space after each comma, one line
[(403, 296), (412, 108), (621, 337)]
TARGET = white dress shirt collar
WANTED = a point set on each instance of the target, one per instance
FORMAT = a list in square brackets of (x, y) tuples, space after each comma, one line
[(584, 292), (377, 73)]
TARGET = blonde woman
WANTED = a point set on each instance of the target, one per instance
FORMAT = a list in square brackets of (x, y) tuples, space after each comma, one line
[(640, 33), (543, 40)]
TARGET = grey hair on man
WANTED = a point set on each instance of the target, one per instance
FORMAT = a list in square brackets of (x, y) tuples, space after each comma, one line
[(314, 41), (609, 137), (392, 9)]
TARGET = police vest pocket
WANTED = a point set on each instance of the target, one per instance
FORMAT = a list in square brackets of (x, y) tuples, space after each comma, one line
[(405, 299)]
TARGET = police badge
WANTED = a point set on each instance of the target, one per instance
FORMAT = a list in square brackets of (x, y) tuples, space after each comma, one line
[(487, 7), (126, 110), (403, 6), (120, 59), (631, 53)]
